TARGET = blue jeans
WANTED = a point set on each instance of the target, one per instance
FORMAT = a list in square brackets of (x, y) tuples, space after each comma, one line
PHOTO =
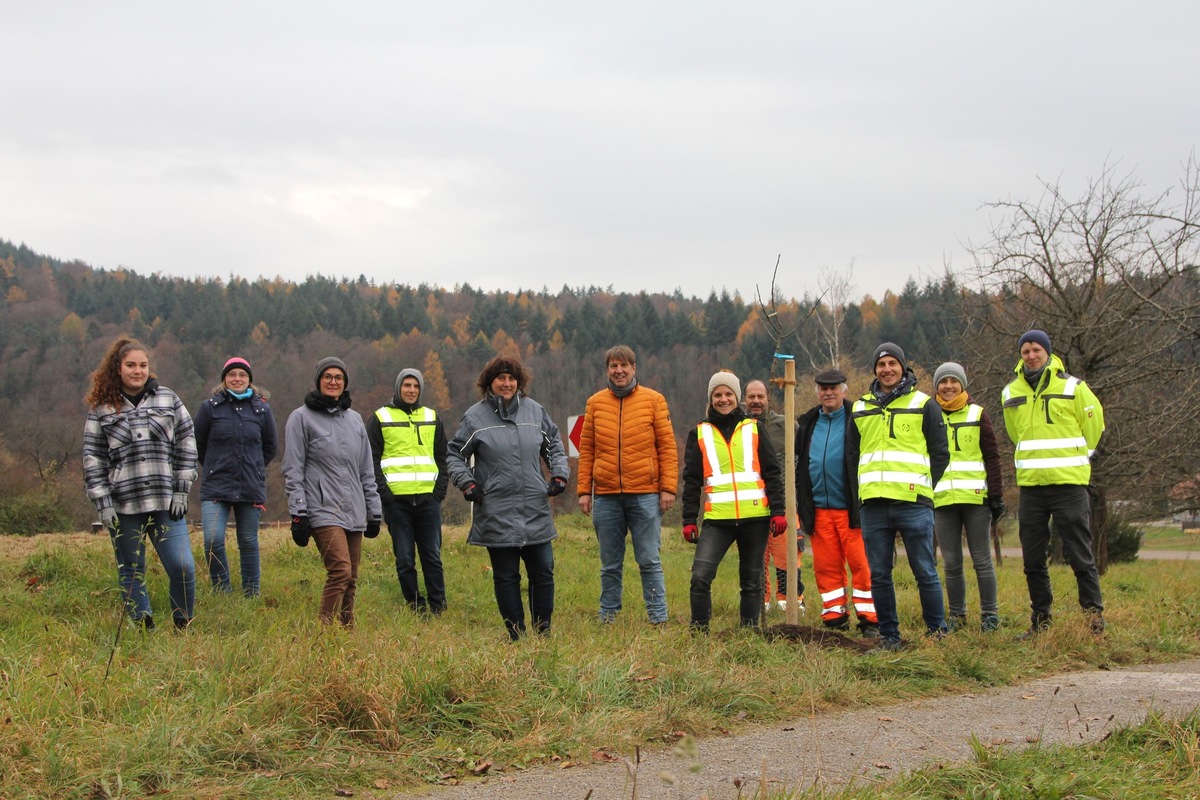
[(214, 515), (914, 522), (415, 525), (506, 579), (638, 514), (715, 541), (170, 540)]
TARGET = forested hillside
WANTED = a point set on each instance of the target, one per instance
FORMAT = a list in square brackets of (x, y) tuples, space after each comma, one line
[(59, 317)]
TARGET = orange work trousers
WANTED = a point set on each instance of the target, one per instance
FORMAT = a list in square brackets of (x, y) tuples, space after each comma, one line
[(777, 552), (835, 545)]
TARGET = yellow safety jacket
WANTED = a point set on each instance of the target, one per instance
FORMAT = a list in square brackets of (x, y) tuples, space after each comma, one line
[(893, 461), (407, 458), (1055, 427), (965, 479), (733, 484)]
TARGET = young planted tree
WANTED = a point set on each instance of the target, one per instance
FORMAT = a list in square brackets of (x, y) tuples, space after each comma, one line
[(1112, 276)]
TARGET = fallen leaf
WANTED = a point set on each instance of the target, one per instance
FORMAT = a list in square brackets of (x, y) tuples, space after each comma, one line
[(600, 755), (881, 765), (382, 783), (482, 767), (1029, 697), (343, 793), (886, 719)]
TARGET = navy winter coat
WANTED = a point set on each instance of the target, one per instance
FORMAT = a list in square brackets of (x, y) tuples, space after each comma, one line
[(236, 439)]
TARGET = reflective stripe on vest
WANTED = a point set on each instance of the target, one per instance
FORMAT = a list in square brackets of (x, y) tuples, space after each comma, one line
[(733, 484), (407, 458), (965, 479), (896, 465)]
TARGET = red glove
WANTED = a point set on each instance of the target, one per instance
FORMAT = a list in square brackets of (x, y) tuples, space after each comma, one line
[(691, 534), (778, 524)]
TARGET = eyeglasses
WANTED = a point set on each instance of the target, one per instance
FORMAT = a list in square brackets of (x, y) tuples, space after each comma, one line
[(333, 378)]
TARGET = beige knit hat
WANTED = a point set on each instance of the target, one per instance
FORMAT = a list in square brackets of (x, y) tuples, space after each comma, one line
[(725, 378)]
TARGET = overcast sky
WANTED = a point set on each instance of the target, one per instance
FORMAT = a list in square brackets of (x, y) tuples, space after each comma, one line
[(642, 145)]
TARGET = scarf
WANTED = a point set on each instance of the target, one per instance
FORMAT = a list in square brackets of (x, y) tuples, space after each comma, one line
[(883, 398), (958, 403), (319, 402), (246, 395), (622, 392), (1032, 377)]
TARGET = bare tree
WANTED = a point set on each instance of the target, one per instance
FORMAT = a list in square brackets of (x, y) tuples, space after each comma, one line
[(1112, 276), (834, 286)]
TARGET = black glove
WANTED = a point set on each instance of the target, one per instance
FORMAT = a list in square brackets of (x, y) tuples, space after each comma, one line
[(557, 486), (998, 508), (799, 542), (472, 494), (372, 529), (301, 531)]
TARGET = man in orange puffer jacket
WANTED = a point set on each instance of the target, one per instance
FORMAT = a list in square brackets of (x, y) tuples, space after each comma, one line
[(629, 461)]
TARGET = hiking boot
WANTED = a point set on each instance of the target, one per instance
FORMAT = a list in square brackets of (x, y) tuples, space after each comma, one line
[(1096, 622), (1035, 629), (989, 623), (841, 623), (182, 623), (891, 645), (955, 622), (870, 630)]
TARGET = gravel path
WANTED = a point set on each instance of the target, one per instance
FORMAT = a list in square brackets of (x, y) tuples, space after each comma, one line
[(867, 745)]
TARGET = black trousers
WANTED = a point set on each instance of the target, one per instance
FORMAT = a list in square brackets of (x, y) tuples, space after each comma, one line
[(1069, 507)]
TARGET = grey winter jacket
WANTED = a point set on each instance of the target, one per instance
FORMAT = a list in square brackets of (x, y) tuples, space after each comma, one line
[(327, 470), (509, 444)]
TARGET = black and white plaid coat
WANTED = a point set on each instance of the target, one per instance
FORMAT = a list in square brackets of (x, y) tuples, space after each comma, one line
[(135, 457)]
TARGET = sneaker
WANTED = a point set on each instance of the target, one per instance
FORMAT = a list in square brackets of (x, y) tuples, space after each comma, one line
[(937, 634), (989, 623), (955, 621), (1096, 622), (891, 644), (870, 630)]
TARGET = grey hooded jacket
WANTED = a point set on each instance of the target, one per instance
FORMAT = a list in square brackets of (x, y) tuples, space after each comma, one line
[(510, 444), (327, 469)]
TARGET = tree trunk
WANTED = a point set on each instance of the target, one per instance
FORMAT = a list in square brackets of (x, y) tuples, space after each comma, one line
[(1098, 496)]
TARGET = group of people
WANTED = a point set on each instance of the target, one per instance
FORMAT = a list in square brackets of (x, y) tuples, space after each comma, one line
[(894, 462)]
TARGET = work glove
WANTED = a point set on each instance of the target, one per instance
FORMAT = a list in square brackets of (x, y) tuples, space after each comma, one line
[(179, 502), (301, 531), (998, 509), (472, 494), (108, 516), (372, 529), (691, 534), (557, 486), (778, 525)]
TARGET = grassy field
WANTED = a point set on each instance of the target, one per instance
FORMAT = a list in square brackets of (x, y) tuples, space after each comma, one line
[(1168, 537), (257, 699)]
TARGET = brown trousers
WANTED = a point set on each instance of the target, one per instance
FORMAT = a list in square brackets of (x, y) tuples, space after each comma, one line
[(340, 550)]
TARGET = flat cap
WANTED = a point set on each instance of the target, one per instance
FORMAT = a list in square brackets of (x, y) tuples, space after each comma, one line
[(829, 377)]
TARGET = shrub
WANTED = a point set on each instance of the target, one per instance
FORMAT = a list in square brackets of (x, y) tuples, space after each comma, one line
[(1124, 540), (40, 511)]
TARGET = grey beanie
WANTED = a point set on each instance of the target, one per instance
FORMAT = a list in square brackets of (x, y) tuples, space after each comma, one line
[(724, 378), (889, 349), (411, 373), (951, 369), (326, 363)]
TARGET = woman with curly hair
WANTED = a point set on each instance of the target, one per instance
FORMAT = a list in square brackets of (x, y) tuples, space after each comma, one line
[(510, 437), (139, 462)]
